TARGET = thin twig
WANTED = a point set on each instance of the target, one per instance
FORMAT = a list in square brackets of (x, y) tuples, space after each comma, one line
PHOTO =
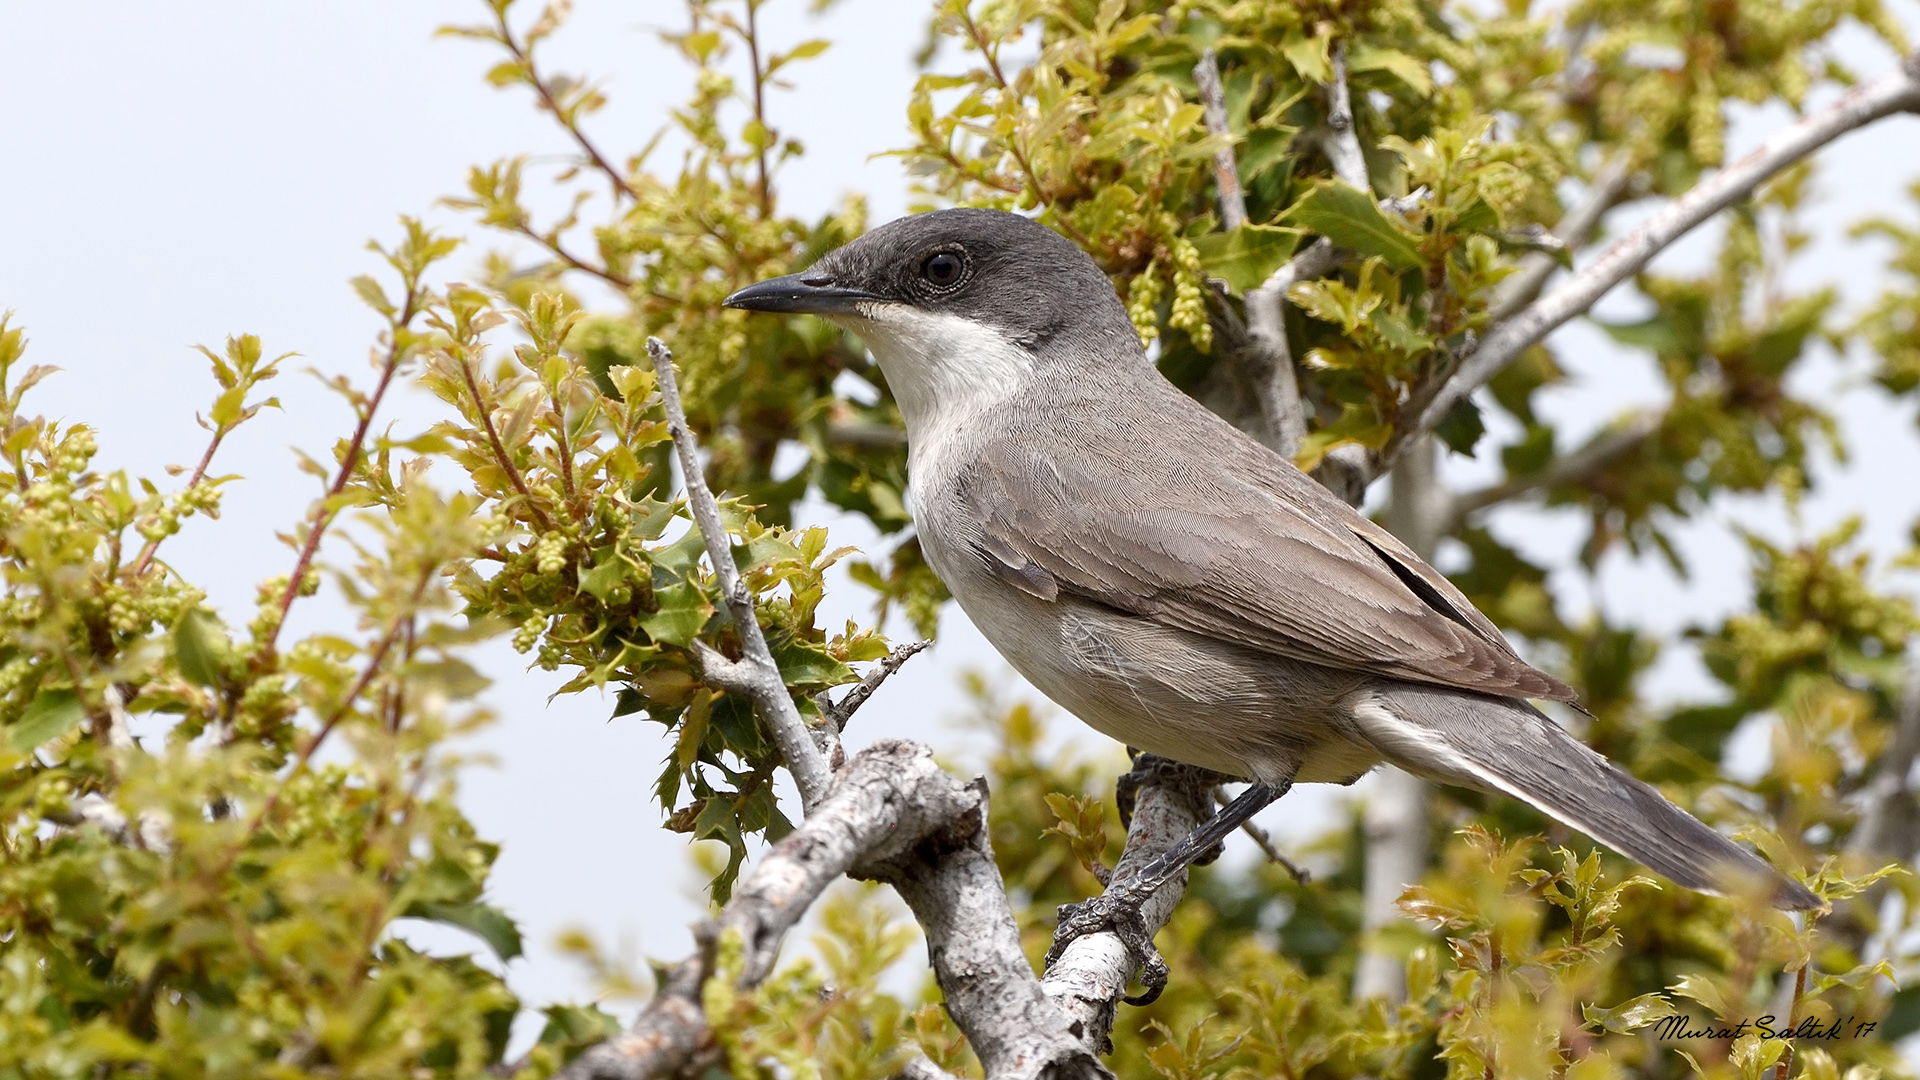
[(1226, 173), (838, 713), (553, 245), (758, 677), (1896, 92), (1582, 464), (1524, 286), (1343, 141), (324, 511), (763, 190), (525, 57), (147, 550), (339, 713), (1265, 840), (499, 449)]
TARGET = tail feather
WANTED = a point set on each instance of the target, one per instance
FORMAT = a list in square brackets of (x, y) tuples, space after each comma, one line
[(1507, 746)]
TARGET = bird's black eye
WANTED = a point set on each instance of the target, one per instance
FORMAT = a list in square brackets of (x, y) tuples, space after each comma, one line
[(942, 268)]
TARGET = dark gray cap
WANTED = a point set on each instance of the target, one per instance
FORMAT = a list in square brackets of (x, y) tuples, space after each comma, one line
[(986, 266)]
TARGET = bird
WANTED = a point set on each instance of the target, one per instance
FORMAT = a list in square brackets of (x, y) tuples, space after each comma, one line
[(1179, 586)]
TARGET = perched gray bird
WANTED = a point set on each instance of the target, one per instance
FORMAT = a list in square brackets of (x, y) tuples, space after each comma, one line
[(1174, 583)]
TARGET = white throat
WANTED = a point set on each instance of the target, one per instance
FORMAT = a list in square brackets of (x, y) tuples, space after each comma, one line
[(947, 373)]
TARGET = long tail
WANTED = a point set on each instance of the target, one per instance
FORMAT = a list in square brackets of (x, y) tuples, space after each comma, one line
[(1507, 746)]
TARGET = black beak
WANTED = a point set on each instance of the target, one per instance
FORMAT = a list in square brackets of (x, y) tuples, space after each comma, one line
[(810, 293)]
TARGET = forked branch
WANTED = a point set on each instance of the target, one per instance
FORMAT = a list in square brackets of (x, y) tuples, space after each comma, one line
[(755, 675), (890, 815), (1895, 92)]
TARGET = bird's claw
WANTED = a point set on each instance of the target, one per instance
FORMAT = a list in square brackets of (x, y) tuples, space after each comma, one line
[(1121, 917)]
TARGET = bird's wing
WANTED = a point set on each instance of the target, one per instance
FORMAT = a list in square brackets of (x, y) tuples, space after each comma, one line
[(1246, 549)]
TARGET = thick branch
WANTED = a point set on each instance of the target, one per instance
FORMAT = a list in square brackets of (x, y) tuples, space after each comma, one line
[(973, 943), (1276, 383), (1605, 449), (894, 815), (890, 798), (1089, 979), (754, 675), (1226, 173), (1897, 92)]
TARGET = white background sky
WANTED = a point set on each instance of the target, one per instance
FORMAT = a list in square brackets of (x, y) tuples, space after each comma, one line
[(177, 172)]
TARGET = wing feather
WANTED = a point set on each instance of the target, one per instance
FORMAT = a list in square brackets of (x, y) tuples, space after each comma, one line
[(1248, 550)]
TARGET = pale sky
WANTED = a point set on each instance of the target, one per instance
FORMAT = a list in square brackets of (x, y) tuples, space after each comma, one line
[(179, 172)]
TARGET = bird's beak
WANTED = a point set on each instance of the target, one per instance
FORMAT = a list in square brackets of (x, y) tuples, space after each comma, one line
[(810, 293)]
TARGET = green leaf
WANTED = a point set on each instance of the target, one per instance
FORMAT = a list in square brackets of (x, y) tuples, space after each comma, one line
[(52, 714), (1656, 334), (683, 611), (1263, 148), (1414, 73), (200, 646), (1309, 56), (227, 407), (453, 677), (1394, 329), (1705, 991), (1462, 428), (1246, 257), (1630, 1015), (1349, 217), (484, 921), (372, 294), (718, 821), (804, 664), (610, 571)]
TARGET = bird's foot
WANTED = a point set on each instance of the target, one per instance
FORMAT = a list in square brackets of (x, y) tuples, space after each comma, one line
[(1117, 911)]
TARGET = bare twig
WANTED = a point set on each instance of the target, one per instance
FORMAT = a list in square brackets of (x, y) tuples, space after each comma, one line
[(1261, 837), (838, 713), (1524, 286), (326, 508), (1896, 92), (1226, 174), (1343, 141), (1605, 449), (551, 103), (755, 675)]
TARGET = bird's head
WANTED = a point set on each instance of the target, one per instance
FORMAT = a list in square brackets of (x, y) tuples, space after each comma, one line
[(959, 305)]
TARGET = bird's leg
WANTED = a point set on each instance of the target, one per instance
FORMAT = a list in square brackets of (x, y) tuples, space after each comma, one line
[(1118, 909)]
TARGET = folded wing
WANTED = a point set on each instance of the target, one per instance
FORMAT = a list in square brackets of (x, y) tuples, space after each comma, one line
[(1230, 541)]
